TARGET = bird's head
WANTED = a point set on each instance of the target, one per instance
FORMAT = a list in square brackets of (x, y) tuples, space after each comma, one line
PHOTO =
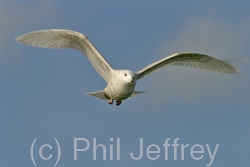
[(127, 76)]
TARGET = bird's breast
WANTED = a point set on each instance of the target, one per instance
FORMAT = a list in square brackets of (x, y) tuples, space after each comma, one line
[(119, 91)]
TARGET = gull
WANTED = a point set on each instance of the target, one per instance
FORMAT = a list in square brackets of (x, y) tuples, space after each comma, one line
[(120, 83)]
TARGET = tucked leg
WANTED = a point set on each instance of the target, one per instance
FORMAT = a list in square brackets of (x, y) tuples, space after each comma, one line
[(118, 102), (111, 101)]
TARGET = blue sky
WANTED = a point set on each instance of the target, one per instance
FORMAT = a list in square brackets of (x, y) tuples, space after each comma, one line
[(43, 90)]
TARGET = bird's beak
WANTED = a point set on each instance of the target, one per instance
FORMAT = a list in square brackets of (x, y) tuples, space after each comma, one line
[(133, 80)]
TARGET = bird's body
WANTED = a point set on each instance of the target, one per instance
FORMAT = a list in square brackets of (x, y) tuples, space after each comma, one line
[(120, 83)]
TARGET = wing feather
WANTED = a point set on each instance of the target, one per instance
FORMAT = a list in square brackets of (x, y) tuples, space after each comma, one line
[(58, 38), (195, 60)]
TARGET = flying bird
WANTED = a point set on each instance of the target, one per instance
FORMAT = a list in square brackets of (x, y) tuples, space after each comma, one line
[(120, 83)]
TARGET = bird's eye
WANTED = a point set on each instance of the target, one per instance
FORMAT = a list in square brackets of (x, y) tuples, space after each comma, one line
[(125, 74)]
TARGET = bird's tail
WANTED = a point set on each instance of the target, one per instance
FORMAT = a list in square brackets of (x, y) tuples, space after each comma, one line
[(98, 94), (135, 93), (101, 95)]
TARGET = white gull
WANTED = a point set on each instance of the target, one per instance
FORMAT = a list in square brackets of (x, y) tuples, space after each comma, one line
[(120, 83)]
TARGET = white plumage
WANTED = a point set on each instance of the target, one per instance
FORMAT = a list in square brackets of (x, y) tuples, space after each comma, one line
[(120, 83)]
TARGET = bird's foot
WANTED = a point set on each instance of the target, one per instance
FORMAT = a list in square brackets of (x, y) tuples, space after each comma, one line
[(118, 102), (111, 101)]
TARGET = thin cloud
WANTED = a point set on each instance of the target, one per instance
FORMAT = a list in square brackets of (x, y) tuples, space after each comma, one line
[(206, 36), (23, 15)]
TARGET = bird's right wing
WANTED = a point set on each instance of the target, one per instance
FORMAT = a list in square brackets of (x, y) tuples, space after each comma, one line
[(194, 60), (58, 38)]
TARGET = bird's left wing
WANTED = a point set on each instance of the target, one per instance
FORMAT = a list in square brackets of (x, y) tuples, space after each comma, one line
[(194, 60), (58, 38)]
